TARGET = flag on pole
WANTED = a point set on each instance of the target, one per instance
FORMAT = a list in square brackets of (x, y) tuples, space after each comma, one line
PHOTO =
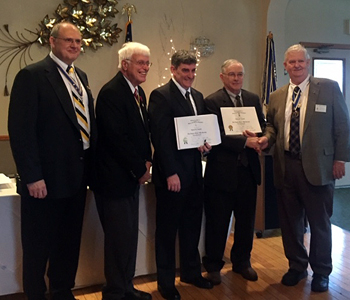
[(128, 35), (128, 8), (269, 80)]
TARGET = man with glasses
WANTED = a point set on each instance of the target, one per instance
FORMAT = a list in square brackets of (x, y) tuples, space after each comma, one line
[(123, 164), (53, 134), (231, 177), (177, 175)]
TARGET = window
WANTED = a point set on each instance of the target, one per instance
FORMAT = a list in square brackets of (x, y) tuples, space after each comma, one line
[(330, 68)]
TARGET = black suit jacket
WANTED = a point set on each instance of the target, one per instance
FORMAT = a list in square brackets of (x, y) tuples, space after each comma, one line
[(167, 103), (123, 145), (44, 132), (221, 169)]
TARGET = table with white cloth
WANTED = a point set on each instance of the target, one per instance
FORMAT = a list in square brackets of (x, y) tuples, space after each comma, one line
[(90, 270)]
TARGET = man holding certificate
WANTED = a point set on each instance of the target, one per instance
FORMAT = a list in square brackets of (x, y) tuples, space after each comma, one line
[(231, 178), (177, 175)]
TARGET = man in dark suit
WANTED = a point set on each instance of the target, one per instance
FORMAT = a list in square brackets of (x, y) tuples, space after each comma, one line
[(123, 163), (231, 177), (52, 150), (177, 175), (307, 160)]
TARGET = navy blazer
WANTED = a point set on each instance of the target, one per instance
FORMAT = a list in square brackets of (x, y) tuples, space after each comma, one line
[(44, 132)]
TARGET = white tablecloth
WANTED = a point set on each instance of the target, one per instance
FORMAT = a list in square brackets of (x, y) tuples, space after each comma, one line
[(90, 270)]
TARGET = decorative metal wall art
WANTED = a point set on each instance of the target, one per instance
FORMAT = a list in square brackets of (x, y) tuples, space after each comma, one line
[(92, 17)]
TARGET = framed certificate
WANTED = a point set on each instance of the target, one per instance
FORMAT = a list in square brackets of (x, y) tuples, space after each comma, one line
[(194, 131), (238, 119)]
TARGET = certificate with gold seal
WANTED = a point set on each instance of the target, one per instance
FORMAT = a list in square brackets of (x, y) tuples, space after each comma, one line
[(194, 131), (238, 119)]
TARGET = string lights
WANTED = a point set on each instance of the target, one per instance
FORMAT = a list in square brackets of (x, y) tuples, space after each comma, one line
[(165, 73)]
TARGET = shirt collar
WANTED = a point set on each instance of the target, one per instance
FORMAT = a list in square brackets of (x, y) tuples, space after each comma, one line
[(62, 64), (232, 95), (182, 90), (133, 88), (302, 85)]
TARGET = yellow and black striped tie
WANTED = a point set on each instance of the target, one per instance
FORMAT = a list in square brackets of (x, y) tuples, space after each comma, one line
[(80, 112)]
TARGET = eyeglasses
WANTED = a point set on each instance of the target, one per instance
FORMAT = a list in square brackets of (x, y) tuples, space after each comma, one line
[(70, 40), (140, 63), (232, 74)]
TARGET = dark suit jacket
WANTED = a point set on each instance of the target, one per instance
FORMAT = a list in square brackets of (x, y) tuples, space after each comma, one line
[(123, 146), (326, 133), (221, 169), (44, 131), (167, 103)]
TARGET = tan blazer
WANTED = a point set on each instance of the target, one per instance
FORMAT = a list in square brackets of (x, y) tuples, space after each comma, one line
[(326, 131)]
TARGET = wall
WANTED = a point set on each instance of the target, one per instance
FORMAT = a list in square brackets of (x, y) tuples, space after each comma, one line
[(294, 21), (236, 27)]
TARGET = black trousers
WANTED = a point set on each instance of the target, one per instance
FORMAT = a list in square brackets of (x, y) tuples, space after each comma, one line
[(219, 205), (297, 198), (120, 221), (178, 213), (51, 233)]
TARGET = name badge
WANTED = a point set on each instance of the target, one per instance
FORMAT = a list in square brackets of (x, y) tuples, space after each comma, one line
[(321, 108)]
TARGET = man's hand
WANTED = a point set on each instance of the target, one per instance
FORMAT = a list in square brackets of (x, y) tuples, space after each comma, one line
[(174, 184), (37, 189), (338, 169), (145, 177), (263, 143), (204, 149), (248, 133), (253, 142)]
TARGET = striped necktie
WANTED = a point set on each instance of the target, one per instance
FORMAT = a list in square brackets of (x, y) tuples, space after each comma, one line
[(142, 108), (80, 109)]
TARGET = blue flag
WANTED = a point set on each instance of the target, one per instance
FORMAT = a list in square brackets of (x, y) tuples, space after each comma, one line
[(128, 35), (269, 81)]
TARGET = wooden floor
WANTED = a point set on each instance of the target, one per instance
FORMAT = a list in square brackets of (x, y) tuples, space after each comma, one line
[(270, 263)]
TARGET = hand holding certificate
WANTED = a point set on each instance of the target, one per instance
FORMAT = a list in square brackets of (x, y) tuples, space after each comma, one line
[(194, 131), (238, 119)]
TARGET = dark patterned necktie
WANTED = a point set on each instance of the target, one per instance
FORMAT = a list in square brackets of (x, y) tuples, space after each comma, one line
[(294, 137), (142, 108), (238, 101)]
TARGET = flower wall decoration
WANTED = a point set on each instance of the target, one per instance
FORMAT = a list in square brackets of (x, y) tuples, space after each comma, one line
[(92, 17)]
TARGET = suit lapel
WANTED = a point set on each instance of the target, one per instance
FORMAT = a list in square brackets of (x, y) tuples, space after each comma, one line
[(129, 94), (225, 99), (180, 98), (247, 101), (311, 101), (284, 95), (61, 91)]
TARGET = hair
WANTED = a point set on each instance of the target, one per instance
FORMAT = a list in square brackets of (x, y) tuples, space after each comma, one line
[(230, 62), (56, 28), (297, 48), (131, 48), (183, 57)]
